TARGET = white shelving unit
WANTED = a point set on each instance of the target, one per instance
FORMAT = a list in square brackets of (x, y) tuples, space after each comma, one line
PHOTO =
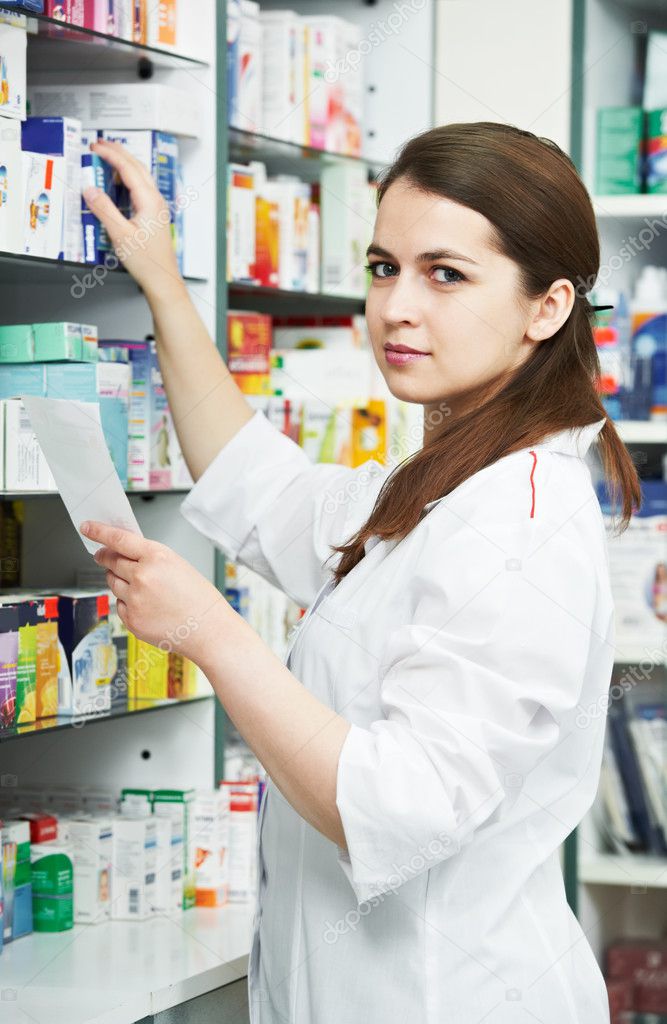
[(622, 895), (122, 972)]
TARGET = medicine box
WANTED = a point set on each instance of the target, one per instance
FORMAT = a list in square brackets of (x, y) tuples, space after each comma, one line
[(9, 646), (61, 137), (121, 106), (13, 48), (211, 833), (133, 866), (24, 465), (43, 204), (52, 886), (618, 156), (16, 879), (177, 804), (91, 844), (26, 663), (47, 655), (138, 456), (11, 186), (83, 632), (57, 341), (17, 343)]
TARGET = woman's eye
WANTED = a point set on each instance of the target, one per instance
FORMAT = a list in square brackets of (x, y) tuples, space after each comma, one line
[(449, 270), (374, 269)]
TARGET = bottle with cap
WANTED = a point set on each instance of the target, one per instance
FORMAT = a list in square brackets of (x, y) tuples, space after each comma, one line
[(648, 398)]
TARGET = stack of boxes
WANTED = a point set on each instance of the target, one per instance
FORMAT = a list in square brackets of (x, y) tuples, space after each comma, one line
[(46, 161), (65, 360), (80, 857)]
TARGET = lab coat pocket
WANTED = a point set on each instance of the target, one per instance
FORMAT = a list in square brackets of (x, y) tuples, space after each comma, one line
[(338, 633)]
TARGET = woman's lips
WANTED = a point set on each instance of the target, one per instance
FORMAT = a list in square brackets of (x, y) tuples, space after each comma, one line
[(402, 358)]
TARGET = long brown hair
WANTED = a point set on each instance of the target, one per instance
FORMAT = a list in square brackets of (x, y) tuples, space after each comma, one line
[(543, 219)]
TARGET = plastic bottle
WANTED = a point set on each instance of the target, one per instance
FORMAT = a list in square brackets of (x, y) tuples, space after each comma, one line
[(611, 332), (648, 398)]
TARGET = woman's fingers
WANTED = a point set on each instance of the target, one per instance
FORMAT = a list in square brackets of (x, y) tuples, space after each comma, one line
[(119, 565), (132, 172), (118, 587), (132, 545)]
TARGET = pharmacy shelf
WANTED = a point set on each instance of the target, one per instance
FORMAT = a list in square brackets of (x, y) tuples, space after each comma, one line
[(638, 655), (283, 157), (642, 431), (60, 722), (146, 495), (54, 45), (121, 971), (630, 206), (279, 301), (20, 269), (634, 870)]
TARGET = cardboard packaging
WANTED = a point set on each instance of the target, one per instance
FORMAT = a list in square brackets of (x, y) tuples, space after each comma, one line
[(13, 48), (52, 886), (61, 137), (11, 186), (91, 843), (144, 106), (133, 865), (43, 204), (86, 652)]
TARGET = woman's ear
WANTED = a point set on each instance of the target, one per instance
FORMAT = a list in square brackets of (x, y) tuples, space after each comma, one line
[(553, 310)]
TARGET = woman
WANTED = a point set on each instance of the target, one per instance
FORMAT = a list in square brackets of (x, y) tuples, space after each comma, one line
[(424, 760)]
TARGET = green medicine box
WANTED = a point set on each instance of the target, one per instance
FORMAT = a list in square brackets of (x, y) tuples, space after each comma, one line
[(17, 343), (618, 153), (58, 341)]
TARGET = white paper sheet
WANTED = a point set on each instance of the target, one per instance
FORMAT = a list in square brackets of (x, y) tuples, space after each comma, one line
[(70, 435)]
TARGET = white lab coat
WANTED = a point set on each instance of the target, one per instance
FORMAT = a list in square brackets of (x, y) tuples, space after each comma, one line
[(463, 656)]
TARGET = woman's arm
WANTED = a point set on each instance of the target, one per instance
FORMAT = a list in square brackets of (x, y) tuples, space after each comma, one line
[(207, 406), (296, 737)]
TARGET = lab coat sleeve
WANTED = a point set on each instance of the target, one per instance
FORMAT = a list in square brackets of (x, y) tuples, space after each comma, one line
[(267, 506), (475, 693)]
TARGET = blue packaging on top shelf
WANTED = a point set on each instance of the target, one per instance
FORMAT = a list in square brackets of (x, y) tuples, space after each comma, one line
[(158, 152), (34, 6), (93, 174)]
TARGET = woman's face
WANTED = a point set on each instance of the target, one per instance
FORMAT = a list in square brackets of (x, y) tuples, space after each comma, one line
[(461, 308)]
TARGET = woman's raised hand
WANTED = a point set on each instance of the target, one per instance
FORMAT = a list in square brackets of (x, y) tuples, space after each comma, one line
[(144, 242)]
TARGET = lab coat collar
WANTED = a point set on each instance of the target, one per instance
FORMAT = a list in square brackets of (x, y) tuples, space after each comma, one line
[(572, 441)]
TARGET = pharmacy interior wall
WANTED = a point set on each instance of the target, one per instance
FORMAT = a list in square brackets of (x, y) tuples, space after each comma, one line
[(507, 63)]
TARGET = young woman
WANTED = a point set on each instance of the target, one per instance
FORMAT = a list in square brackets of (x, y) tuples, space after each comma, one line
[(423, 740)]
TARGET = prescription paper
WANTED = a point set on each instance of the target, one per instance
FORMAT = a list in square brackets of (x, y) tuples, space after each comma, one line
[(70, 435)]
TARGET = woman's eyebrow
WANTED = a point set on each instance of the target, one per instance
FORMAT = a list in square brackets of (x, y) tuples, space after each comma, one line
[(423, 257)]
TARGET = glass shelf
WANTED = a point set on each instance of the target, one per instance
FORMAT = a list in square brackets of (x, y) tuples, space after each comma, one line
[(285, 157), (134, 707), (55, 45), (279, 301), (19, 268)]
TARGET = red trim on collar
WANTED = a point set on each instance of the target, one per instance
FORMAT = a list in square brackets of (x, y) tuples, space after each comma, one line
[(532, 484)]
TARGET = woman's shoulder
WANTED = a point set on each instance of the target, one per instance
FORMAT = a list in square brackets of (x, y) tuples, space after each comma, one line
[(517, 502)]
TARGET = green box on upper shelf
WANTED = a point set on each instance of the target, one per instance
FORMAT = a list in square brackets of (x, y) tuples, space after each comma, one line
[(618, 151)]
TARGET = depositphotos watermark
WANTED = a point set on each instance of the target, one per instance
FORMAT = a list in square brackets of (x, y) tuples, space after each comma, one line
[(378, 33)]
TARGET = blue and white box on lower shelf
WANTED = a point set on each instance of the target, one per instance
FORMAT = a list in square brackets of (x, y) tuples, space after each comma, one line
[(11, 186)]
